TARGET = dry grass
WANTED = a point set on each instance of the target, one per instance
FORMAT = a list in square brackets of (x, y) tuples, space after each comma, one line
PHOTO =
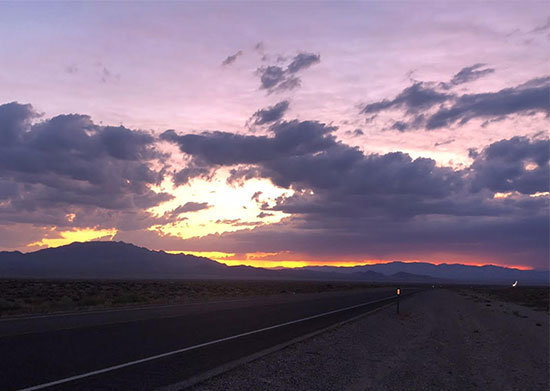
[(534, 297), (44, 296)]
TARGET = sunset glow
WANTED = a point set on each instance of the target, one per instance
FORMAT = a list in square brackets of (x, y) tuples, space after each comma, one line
[(263, 260), (78, 235), (348, 143)]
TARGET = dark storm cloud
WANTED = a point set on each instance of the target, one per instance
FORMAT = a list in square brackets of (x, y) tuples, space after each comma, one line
[(211, 149), (518, 239), (517, 164), (305, 155), (231, 59), (349, 202), (68, 164), (419, 101), (276, 78), (270, 114)]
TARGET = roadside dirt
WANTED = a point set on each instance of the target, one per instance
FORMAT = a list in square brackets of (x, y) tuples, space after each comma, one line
[(441, 340)]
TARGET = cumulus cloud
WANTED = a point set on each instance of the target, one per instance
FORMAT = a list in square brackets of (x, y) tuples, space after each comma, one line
[(270, 114), (276, 78), (344, 202), (517, 164), (68, 164), (430, 106), (380, 204), (215, 149)]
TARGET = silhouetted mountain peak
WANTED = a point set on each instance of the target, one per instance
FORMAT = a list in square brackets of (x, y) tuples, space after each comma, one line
[(124, 260)]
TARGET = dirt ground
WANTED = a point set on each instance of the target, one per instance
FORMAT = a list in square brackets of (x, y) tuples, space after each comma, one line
[(441, 340)]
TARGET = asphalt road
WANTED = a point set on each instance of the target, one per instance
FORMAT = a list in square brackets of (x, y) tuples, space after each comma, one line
[(35, 351)]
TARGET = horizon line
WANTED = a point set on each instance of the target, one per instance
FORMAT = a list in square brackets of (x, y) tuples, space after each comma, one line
[(298, 264)]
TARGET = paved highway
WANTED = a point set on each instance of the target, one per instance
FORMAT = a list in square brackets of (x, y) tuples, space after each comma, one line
[(151, 347)]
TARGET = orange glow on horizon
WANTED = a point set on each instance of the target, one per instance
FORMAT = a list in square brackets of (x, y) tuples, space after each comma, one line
[(262, 260)]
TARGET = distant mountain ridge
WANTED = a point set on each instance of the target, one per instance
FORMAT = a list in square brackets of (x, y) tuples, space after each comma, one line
[(119, 260), (455, 272)]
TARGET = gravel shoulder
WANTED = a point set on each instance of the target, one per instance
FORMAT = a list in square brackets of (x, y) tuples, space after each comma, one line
[(441, 340)]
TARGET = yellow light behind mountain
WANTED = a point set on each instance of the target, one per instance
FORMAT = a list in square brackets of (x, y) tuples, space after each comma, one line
[(76, 235)]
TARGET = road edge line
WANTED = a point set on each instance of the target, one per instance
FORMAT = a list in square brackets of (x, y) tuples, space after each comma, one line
[(194, 380), (178, 351)]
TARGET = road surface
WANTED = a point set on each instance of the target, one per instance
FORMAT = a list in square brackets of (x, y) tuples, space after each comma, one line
[(148, 348)]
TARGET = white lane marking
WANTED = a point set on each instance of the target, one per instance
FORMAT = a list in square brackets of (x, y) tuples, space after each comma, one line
[(151, 358)]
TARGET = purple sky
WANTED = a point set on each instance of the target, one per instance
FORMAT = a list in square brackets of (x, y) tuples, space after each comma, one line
[(279, 131)]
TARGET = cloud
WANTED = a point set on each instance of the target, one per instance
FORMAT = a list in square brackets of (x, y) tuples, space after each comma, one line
[(261, 215), (470, 73), (67, 164), (260, 47), (270, 114), (355, 133), (271, 76), (413, 99), (382, 205), (429, 106), (238, 222), (214, 149), (446, 142), (231, 59), (106, 75), (524, 99), (517, 164), (67, 171), (303, 61), (542, 28), (71, 69), (274, 78), (256, 196), (191, 207)]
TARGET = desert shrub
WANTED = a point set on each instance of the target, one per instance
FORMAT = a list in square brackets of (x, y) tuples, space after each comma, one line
[(8, 305)]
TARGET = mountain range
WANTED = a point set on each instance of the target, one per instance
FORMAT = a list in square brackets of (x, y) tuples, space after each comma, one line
[(119, 260)]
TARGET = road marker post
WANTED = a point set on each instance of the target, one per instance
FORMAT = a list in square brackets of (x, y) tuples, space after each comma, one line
[(398, 294)]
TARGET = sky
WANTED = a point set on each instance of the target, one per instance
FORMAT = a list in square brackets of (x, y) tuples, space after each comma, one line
[(279, 133)]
